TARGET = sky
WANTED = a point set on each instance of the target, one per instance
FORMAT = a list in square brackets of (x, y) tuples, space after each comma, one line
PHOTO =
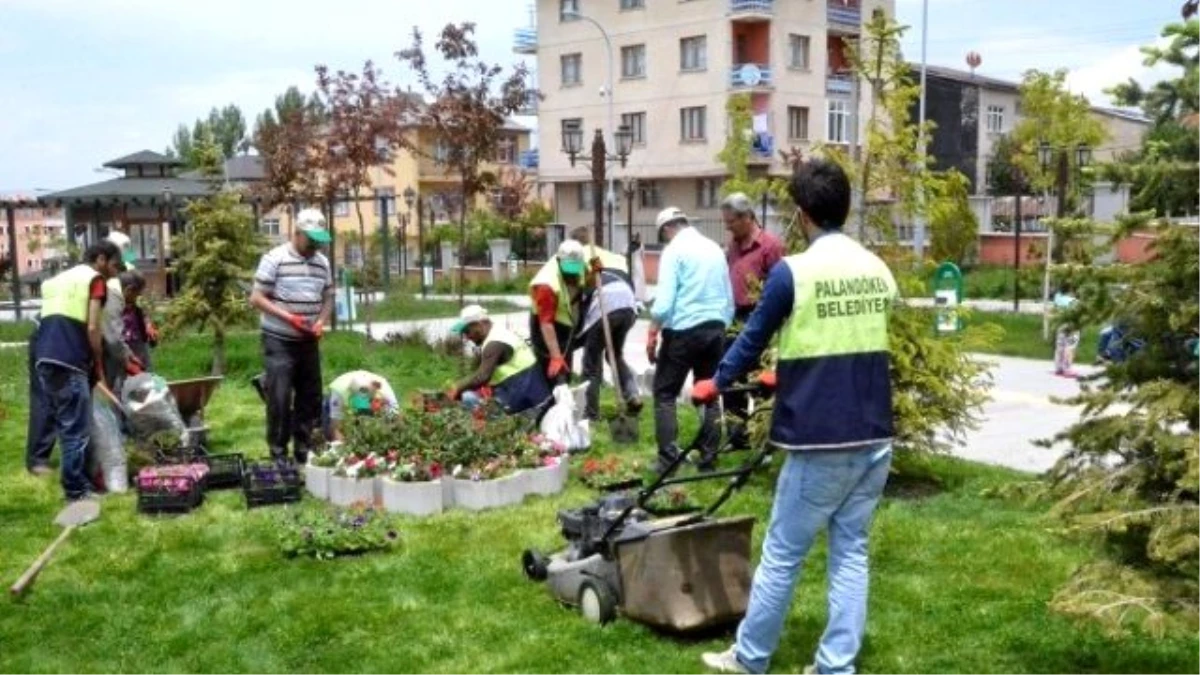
[(86, 81)]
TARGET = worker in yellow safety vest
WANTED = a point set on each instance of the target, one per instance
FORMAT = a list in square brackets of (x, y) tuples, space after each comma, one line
[(69, 357), (832, 413), (507, 366), (555, 291)]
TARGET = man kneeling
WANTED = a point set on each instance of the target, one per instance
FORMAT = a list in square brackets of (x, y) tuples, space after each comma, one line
[(507, 366), (361, 393)]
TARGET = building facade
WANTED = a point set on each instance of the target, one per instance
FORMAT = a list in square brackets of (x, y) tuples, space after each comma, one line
[(675, 63), (40, 235), (972, 112)]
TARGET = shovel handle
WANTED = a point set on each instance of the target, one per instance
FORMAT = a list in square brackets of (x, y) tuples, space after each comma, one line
[(608, 342), (31, 573)]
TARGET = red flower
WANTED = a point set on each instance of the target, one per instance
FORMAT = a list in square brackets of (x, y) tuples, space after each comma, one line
[(435, 470), (370, 464)]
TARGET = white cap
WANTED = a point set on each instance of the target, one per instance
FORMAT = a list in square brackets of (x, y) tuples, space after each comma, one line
[(312, 223), (570, 257), (120, 239), (469, 315), (669, 214)]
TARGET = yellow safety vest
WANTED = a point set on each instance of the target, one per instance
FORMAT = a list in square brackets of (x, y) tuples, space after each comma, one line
[(610, 260), (66, 293), (551, 276), (522, 358)]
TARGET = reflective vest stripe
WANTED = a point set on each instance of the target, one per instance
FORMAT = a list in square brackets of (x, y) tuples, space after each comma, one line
[(522, 358), (552, 277), (66, 294)]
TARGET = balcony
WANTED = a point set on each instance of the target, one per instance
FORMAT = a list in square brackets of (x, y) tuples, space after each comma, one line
[(762, 148), (530, 106), (844, 16), (528, 159), (525, 41), (753, 10), (840, 84), (750, 76)]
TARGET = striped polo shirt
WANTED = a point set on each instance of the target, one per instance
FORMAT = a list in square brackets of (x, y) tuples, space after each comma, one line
[(295, 283)]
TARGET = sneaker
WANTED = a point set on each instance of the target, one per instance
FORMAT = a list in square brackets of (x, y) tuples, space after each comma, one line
[(40, 470), (724, 662)]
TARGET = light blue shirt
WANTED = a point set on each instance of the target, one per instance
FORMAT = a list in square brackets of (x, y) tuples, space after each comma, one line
[(693, 283)]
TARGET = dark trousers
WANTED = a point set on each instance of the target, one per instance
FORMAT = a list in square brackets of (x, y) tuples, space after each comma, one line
[(69, 395), (567, 342), (696, 350), (737, 404), (39, 434), (619, 322), (293, 387)]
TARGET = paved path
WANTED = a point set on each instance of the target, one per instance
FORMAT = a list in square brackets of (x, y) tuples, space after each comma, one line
[(1019, 412)]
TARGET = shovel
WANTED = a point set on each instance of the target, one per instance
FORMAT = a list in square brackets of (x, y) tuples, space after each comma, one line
[(76, 514), (622, 428)]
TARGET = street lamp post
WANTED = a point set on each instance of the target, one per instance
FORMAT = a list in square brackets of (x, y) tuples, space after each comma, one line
[(610, 196), (410, 196), (386, 243), (572, 145), (1047, 155), (630, 189)]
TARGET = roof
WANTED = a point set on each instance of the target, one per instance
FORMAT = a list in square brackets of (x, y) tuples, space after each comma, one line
[(965, 77), (149, 190), (244, 168), (1123, 113), (143, 157)]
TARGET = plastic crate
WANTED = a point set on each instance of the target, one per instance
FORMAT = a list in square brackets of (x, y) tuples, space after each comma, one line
[(224, 471), (168, 493), (266, 484)]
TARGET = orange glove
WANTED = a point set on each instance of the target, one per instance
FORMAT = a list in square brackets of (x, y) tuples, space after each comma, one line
[(133, 366), (597, 265), (705, 391), (299, 323), (318, 330), (767, 379), (652, 346), (558, 366), (453, 394)]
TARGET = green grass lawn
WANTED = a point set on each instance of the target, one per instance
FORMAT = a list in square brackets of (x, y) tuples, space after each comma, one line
[(1023, 337), (400, 306), (959, 582), (15, 331)]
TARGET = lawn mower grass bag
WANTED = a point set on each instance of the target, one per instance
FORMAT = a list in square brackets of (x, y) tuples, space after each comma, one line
[(559, 423), (151, 408), (106, 454)]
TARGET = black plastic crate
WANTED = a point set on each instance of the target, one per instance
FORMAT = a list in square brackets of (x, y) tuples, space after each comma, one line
[(163, 494), (265, 484), (224, 471)]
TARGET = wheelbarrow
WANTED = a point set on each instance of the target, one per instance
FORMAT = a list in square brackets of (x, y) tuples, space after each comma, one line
[(682, 573), (191, 397)]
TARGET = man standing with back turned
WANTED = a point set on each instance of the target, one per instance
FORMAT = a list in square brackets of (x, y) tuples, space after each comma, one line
[(293, 289), (833, 413)]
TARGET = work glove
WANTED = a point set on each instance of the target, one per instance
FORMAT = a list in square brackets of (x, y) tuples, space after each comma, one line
[(133, 366), (652, 346), (558, 366), (705, 391), (767, 379), (152, 333), (318, 330), (299, 323), (596, 264), (453, 394)]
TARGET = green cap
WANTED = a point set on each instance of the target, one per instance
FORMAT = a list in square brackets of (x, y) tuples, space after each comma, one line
[(129, 257), (360, 402), (570, 257)]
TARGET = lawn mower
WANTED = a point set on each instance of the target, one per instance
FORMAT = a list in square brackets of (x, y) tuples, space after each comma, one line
[(679, 573)]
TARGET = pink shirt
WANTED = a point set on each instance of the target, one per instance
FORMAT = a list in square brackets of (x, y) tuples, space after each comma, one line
[(753, 260)]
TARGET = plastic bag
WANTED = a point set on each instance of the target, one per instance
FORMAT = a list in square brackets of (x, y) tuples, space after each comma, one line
[(151, 408), (559, 423), (106, 458)]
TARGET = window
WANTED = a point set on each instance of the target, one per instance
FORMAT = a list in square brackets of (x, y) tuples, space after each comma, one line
[(566, 8), (798, 51), (341, 207), (633, 4), (441, 151), (797, 123), (693, 53), (572, 69), (587, 201), (269, 227), (388, 193), (706, 193), (633, 61), (383, 150), (637, 126), (506, 151), (995, 119), (691, 124), (648, 195), (838, 124)]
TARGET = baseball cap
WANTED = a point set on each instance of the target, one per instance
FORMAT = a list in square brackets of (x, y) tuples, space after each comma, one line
[(362, 394), (469, 315), (570, 257), (124, 244), (669, 215), (312, 224)]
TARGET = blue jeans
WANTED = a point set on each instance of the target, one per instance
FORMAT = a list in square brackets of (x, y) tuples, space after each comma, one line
[(39, 434), (69, 395), (838, 490)]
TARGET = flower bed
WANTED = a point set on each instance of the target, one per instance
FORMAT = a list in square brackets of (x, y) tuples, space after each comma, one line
[(427, 462), (609, 474)]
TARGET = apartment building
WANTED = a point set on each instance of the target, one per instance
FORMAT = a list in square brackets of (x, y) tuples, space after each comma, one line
[(40, 235), (974, 111), (675, 64)]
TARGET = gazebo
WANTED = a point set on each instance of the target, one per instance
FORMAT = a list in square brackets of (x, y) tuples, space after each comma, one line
[(142, 203)]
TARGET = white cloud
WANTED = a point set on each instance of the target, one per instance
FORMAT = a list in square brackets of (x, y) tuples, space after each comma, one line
[(1091, 80)]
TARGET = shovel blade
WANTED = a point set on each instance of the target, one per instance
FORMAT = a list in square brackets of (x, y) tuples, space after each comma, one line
[(78, 513)]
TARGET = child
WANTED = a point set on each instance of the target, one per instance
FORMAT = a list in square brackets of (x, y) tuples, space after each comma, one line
[(1067, 339), (138, 331)]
